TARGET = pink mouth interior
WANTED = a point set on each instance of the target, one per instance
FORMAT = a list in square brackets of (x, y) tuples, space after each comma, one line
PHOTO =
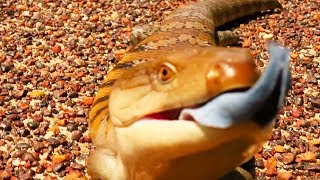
[(171, 115)]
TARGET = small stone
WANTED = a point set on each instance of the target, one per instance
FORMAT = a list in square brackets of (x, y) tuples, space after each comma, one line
[(55, 129), (70, 103), (37, 146), (61, 122), (314, 168), (288, 158), (317, 16), (5, 175), (23, 146), (296, 114), (284, 175), (18, 153), (54, 142), (75, 87), (247, 43), (5, 68), (94, 18), (267, 36), (73, 95), (75, 17), (59, 93), (12, 117), (300, 122), (120, 52), (312, 52), (40, 169), (311, 79), (259, 163), (294, 55), (115, 16), (22, 7), (271, 165), (57, 158), (58, 167), (76, 135), (24, 132), (63, 141), (5, 125), (315, 142), (306, 157), (80, 113), (298, 91), (39, 65), (279, 149), (315, 102), (16, 162), (49, 168), (26, 13), (87, 101), (47, 112), (38, 118), (18, 124), (298, 100), (71, 127), (36, 94), (19, 94), (100, 28), (75, 175), (77, 166), (24, 106), (276, 134), (26, 176), (56, 49), (33, 125), (28, 157)]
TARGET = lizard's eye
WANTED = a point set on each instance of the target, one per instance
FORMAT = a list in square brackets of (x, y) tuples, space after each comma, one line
[(166, 73)]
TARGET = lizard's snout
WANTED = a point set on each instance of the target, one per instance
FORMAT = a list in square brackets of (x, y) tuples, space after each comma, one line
[(260, 103), (231, 75)]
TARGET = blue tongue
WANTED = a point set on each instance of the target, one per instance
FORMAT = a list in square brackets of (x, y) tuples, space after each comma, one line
[(260, 103)]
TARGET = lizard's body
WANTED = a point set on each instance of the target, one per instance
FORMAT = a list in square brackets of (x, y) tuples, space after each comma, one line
[(189, 27)]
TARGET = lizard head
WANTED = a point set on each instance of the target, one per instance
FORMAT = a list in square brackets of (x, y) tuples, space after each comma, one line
[(160, 88), (196, 101)]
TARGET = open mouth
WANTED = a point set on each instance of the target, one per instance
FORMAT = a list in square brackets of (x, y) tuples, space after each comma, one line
[(260, 103), (175, 114)]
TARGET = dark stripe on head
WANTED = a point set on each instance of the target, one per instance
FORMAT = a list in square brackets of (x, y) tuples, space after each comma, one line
[(125, 65), (99, 100), (139, 48), (108, 83), (98, 113)]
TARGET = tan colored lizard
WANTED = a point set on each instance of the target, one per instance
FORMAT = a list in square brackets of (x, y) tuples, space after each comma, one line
[(175, 107)]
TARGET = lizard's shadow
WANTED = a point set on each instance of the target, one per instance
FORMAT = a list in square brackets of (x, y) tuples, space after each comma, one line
[(234, 25)]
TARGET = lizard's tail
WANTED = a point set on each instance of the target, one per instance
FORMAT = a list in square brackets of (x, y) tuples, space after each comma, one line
[(213, 13), (195, 24), (235, 9)]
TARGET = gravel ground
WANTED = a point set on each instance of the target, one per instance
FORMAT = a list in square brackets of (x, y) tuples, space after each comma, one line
[(54, 54)]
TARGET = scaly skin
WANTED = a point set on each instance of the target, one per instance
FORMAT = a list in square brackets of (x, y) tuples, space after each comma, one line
[(183, 45)]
